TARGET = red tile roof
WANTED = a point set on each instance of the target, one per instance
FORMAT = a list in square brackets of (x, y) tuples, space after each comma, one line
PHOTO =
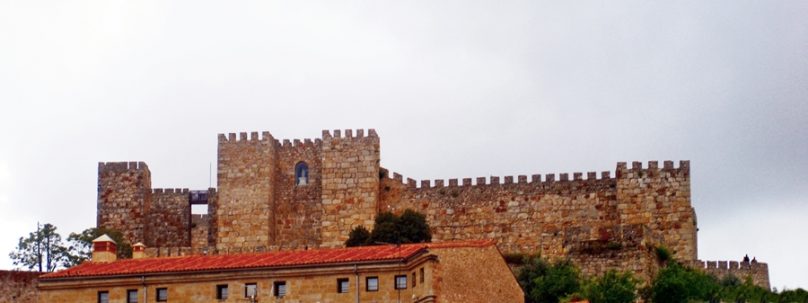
[(180, 264)]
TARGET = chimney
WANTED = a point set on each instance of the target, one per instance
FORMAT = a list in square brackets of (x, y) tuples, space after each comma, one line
[(138, 251), (104, 249)]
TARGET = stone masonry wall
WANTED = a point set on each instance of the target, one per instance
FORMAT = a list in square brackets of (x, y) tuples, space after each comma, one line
[(200, 227), (297, 209), (660, 198), (350, 183), (18, 286), (213, 207), (629, 248), (757, 271), (168, 218), (246, 176), (549, 215), (259, 206), (124, 196), (524, 217)]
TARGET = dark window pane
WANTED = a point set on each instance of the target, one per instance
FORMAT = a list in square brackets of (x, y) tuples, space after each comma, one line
[(301, 173), (131, 296), (342, 285), (221, 292), (372, 283), (280, 288), (401, 282), (250, 290), (103, 297), (162, 294)]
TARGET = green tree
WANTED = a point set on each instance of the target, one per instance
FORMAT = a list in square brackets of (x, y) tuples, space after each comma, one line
[(81, 244), (359, 236), (678, 284), (385, 229), (798, 295), (42, 250), (409, 227), (413, 227), (543, 282), (612, 287)]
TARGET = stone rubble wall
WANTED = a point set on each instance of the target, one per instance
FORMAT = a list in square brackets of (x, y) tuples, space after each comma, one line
[(245, 187), (298, 209), (200, 227), (548, 215), (524, 217), (757, 271), (660, 198), (124, 196), (631, 248), (257, 204), (213, 208), (18, 286), (168, 218), (350, 183)]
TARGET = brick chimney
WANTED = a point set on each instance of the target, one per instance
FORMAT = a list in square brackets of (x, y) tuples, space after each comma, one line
[(138, 250), (104, 249)]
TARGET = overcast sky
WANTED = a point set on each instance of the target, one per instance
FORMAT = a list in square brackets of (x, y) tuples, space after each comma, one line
[(454, 88)]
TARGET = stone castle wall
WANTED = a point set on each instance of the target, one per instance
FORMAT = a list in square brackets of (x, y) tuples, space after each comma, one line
[(124, 195), (757, 271), (297, 209), (245, 178), (592, 218), (168, 218), (200, 227), (523, 216), (549, 215), (350, 184)]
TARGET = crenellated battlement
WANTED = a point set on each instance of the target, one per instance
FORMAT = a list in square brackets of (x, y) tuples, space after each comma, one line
[(757, 271), (170, 191), (653, 168), (729, 265), (122, 166), (244, 137), (266, 197), (547, 179), (349, 134), (298, 143)]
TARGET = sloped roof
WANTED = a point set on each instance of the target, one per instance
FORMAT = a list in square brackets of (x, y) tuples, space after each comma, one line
[(103, 238), (319, 257)]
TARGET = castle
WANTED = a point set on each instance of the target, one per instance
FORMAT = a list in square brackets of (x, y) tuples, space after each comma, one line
[(280, 194)]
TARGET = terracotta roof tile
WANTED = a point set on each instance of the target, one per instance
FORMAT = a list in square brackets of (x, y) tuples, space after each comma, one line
[(255, 260)]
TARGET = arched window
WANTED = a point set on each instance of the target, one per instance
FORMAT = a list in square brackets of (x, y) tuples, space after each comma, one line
[(301, 173)]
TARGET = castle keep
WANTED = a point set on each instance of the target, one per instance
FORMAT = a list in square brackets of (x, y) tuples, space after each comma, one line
[(281, 194)]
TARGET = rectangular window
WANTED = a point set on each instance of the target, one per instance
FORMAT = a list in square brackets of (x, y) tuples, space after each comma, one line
[(279, 289), (401, 282), (372, 283), (103, 297), (422, 275), (221, 292), (343, 285), (131, 296), (250, 290), (413, 279), (162, 294)]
